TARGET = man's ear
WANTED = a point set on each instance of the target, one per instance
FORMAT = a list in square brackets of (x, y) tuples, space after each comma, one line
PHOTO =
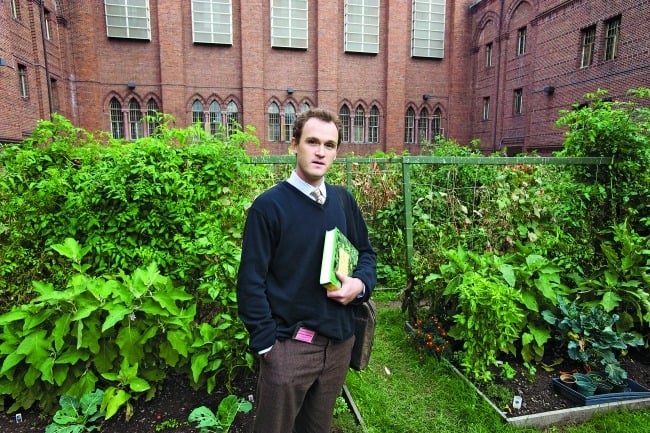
[(292, 146)]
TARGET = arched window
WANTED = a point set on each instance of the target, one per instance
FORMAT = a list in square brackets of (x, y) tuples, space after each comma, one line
[(359, 125), (135, 119), (274, 122), (153, 111), (423, 126), (344, 117), (117, 125), (409, 126), (197, 113), (304, 107), (215, 117), (289, 119), (232, 117), (436, 124), (373, 125)]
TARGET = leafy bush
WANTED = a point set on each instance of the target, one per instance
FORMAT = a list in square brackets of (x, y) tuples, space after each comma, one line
[(209, 422), (120, 215), (77, 415), (590, 337)]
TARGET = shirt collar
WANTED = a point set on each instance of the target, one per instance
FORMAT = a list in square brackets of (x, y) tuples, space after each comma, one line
[(303, 186)]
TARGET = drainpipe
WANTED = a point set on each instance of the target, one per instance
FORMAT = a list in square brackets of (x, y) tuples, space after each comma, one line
[(47, 68), (498, 86)]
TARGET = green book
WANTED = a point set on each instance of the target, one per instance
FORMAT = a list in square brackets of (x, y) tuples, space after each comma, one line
[(338, 255)]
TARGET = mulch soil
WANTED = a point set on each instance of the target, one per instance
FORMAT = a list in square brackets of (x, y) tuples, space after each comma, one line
[(169, 409)]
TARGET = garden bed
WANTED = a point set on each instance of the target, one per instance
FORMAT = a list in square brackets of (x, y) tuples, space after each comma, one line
[(543, 404)]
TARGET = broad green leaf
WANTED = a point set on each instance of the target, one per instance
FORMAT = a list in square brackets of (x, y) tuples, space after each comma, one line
[(115, 315)]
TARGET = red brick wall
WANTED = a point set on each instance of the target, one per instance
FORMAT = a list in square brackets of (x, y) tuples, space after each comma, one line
[(90, 68)]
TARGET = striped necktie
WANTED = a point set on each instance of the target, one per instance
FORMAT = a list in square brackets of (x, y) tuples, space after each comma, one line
[(320, 199)]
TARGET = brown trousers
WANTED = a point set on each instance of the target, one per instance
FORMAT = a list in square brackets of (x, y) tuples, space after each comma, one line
[(298, 385)]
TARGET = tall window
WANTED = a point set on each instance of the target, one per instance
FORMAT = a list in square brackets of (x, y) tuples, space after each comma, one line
[(48, 33), (289, 119), (215, 117), (212, 21), (613, 28), (289, 23), (428, 28), (423, 126), (127, 19), (304, 107), (436, 123), (153, 111), (54, 87), (486, 108), (488, 55), (588, 38), (274, 122), (117, 124), (359, 125), (409, 126), (344, 117), (521, 41), (15, 9), (197, 113), (135, 119), (518, 101), (373, 125), (362, 26), (22, 81), (232, 117)]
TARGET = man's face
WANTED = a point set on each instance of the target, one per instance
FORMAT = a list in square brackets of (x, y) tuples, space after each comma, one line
[(316, 150)]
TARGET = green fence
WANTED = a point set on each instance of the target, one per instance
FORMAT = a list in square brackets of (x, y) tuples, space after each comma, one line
[(350, 171)]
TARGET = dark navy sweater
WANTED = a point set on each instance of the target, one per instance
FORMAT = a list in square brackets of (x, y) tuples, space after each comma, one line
[(278, 287)]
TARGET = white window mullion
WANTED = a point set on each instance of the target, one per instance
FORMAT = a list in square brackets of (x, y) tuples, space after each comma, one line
[(212, 21), (289, 23), (428, 28), (128, 19), (362, 26)]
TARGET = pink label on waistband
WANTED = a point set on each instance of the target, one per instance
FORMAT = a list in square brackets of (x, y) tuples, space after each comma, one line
[(305, 335)]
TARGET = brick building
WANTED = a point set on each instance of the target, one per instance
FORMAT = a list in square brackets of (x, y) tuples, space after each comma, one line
[(397, 72)]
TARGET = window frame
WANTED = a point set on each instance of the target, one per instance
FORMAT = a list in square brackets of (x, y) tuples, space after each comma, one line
[(213, 35), (359, 125), (273, 123), (116, 118), (436, 123), (612, 33), (136, 129), (423, 125), (518, 101), (297, 12), (588, 46), (153, 112), (373, 125), (15, 9), (125, 11), (214, 117), (428, 26), (521, 41), (344, 117), (198, 116), (361, 26), (289, 120), (23, 81), (409, 126), (232, 118), (488, 54), (486, 108)]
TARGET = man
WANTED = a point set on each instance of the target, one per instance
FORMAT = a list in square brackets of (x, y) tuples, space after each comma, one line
[(303, 333)]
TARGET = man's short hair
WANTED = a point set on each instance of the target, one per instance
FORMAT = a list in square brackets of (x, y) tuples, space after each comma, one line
[(320, 114)]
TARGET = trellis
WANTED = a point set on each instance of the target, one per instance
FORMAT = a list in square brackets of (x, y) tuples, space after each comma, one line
[(401, 168)]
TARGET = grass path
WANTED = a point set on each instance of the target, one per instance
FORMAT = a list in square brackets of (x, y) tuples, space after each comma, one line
[(399, 394)]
